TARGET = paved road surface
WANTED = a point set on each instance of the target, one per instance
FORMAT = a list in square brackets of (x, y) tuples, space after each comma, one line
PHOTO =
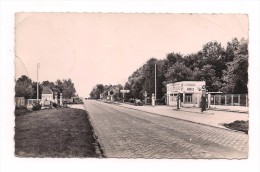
[(127, 133)]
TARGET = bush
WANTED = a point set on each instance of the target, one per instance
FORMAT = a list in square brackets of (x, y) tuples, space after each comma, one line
[(55, 105), (160, 101), (239, 126), (21, 111), (131, 100), (20, 107), (36, 106)]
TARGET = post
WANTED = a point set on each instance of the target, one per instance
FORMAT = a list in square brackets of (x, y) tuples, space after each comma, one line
[(232, 101), (225, 100), (153, 101), (38, 65), (124, 93), (238, 99), (155, 83), (183, 97), (61, 99), (246, 101), (203, 102), (209, 100), (56, 98), (145, 97), (178, 101)]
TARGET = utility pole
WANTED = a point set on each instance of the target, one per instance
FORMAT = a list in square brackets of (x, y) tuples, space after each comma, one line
[(155, 83), (38, 66)]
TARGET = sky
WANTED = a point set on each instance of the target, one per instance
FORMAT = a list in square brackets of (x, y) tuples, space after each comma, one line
[(93, 48)]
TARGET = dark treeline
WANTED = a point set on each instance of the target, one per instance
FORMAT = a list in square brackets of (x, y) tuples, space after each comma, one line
[(25, 87), (223, 68), (103, 89)]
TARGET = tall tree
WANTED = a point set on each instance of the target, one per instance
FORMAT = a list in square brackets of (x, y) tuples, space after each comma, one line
[(96, 91), (208, 74), (214, 54), (236, 76), (23, 87), (66, 87), (178, 72)]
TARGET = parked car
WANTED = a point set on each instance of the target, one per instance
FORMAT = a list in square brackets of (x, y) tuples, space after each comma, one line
[(67, 101), (138, 102), (76, 100)]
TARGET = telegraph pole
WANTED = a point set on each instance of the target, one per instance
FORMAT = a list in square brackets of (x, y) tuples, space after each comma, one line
[(38, 66), (155, 83)]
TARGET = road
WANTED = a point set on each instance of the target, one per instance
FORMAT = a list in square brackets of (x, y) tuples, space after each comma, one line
[(127, 133)]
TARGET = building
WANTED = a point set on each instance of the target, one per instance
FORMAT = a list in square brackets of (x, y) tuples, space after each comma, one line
[(190, 93), (112, 92), (47, 95)]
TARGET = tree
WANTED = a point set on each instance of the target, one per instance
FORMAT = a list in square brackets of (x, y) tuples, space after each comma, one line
[(66, 87), (208, 74), (149, 77), (178, 72), (214, 54), (231, 50), (96, 91), (136, 81), (236, 76), (193, 61), (23, 87), (173, 58), (34, 86), (222, 68), (143, 79)]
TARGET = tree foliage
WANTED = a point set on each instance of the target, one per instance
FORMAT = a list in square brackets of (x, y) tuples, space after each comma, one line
[(66, 87), (236, 76), (223, 68), (25, 87), (103, 89)]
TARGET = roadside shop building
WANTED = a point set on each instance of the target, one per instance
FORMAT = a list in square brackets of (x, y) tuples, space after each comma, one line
[(190, 93)]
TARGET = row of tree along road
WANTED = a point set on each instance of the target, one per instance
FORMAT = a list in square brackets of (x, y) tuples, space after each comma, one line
[(224, 69), (27, 88)]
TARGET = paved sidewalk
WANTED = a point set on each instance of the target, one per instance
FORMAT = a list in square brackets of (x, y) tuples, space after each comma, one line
[(210, 117)]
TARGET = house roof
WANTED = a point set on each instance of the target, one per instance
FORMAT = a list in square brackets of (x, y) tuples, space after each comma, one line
[(113, 89), (47, 91)]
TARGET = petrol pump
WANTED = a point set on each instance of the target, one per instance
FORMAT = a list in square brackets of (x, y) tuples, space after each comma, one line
[(178, 101), (203, 99)]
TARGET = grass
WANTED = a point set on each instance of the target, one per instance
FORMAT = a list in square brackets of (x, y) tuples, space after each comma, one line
[(239, 126), (21, 111), (54, 133)]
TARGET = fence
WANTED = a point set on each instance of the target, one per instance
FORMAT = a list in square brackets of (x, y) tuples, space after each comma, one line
[(20, 102), (229, 100), (31, 101), (216, 99)]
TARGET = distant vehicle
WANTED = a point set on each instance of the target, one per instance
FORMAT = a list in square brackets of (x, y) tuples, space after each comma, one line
[(67, 101), (138, 102), (76, 100)]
